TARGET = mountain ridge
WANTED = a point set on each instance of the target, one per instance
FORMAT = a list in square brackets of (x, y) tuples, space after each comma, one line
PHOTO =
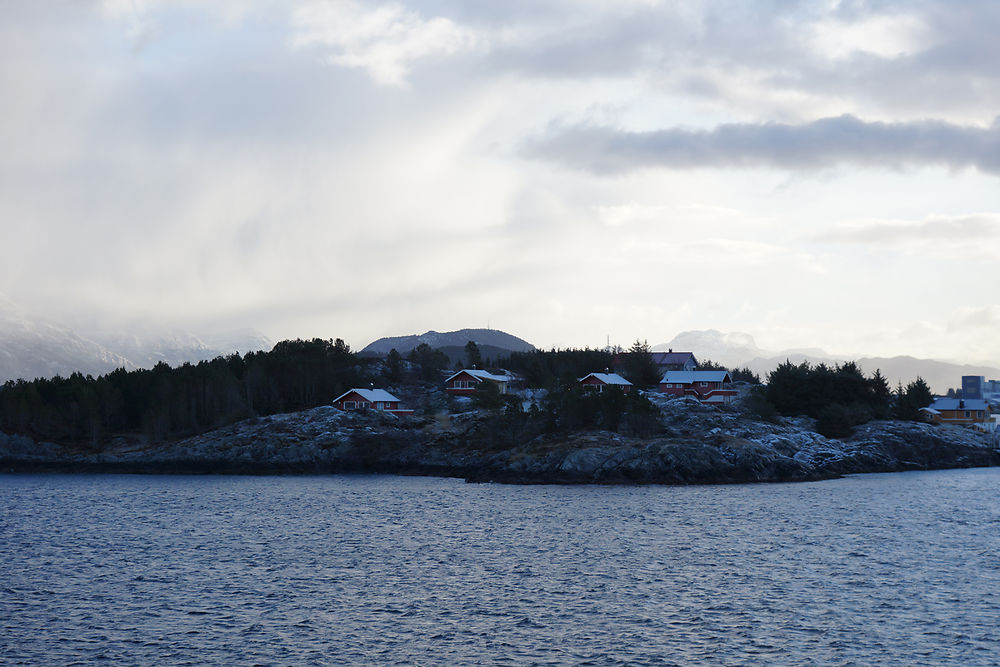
[(491, 337)]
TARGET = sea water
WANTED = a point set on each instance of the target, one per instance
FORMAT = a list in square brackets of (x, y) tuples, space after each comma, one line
[(871, 569)]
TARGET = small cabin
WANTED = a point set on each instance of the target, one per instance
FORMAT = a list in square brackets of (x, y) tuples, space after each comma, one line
[(600, 381), (370, 399), (961, 411), (706, 386), (465, 381)]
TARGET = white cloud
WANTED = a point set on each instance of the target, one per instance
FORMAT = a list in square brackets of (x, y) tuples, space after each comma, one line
[(384, 41), (885, 35)]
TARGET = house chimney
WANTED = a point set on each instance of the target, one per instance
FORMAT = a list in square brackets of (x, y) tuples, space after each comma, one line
[(961, 404), (670, 350)]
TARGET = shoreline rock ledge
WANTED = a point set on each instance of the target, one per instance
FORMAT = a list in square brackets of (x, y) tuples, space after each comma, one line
[(699, 445)]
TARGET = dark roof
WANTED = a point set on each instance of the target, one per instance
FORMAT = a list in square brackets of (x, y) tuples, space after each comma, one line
[(663, 358)]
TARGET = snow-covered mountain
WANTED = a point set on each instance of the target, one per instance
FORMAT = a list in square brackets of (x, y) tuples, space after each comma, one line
[(33, 347), (175, 346), (738, 350)]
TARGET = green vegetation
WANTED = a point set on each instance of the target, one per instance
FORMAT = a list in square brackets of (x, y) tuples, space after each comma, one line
[(639, 367), (163, 402), (841, 397), (552, 368), (910, 399)]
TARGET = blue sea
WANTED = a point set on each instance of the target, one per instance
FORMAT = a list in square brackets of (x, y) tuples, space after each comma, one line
[(895, 569)]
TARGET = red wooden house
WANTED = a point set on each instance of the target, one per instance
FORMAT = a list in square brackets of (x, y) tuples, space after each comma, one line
[(465, 381), (600, 381), (706, 386), (370, 399)]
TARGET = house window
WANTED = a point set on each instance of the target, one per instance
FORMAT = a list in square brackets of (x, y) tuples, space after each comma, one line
[(349, 405), (966, 414)]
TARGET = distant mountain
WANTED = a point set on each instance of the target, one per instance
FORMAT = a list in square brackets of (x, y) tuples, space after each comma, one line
[(32, 350), (482, 337), (32, 347), (728, 349), (176, 347), (739, 350)]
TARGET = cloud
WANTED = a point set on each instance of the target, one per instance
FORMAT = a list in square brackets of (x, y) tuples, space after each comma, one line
[(965, 319), (384, 41), (819, 144), (956, 237)]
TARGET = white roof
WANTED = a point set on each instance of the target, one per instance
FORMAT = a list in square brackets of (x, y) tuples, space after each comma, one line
[(959, 404), (481, 375), (608, 378), (688, 377), (373, 395)]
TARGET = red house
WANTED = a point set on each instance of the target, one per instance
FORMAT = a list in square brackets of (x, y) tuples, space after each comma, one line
[(706, 386), (464, 382), (370, 399), (600, 381)]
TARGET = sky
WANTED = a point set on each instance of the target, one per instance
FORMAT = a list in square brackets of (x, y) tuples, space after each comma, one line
[(816, 174)]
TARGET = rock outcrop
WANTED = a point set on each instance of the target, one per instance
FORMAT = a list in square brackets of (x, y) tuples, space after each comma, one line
[(698, 445)]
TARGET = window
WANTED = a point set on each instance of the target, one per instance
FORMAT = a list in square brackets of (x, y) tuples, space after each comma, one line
[(349, 405)]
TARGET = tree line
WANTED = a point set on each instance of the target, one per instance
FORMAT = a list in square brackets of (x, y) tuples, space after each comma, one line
[(839, 397), (164, 403)]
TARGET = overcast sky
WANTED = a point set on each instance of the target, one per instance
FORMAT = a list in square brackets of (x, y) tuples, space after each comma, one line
[(816, 174)]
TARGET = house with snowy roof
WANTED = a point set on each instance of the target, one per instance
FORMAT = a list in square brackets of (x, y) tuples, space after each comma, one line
[(600, 381), (370, 399), (706, 386), (466, 381), (961, 411), (674, 361)]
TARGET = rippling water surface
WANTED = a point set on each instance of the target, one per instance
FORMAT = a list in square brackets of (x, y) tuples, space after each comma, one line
[(888, 569)]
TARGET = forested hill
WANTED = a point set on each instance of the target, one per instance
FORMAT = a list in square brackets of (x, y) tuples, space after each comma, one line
[(164, 403), (482, 337)]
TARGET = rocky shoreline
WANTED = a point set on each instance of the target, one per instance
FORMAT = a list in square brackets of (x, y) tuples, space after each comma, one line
[(699, 445)]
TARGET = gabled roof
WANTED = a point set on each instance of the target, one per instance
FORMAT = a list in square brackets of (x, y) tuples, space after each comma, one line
[(480, 375), (664, 358), (608, 378), (373, 395), (959, 404), (688, 377)]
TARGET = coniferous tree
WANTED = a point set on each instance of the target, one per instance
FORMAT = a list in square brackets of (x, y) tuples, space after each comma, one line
[(473, 358)]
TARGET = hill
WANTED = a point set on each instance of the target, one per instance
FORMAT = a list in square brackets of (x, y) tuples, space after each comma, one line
[(498, 342)]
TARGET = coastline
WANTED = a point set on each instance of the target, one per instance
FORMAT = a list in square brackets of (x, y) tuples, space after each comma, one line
[(699, 445)]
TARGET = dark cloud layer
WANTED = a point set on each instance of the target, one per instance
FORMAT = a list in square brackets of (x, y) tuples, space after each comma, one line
[(820, 144)]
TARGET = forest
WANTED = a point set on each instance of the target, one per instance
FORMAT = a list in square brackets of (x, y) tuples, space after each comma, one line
[(164, 403)]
